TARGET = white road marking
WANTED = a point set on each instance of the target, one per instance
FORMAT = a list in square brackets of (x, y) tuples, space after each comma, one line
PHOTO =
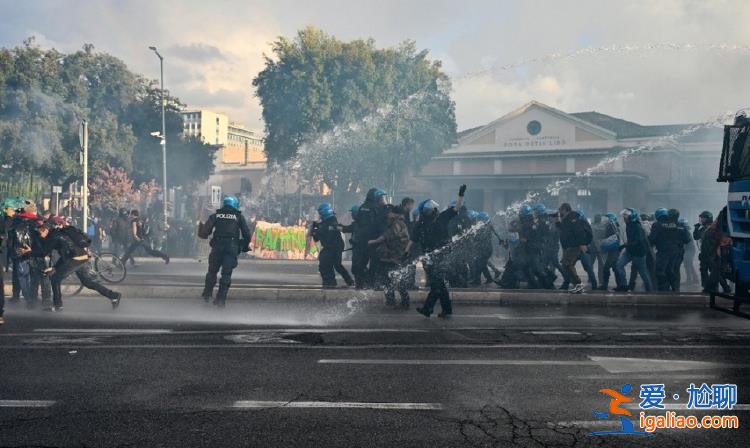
[(553, 332), (626, 365), (458, 362), (26, 403), (644, 376), (683, 406), (63, 340), (387, 346), (641, 333), (104, 330), (271, 338), (248, 404), (511, 317)]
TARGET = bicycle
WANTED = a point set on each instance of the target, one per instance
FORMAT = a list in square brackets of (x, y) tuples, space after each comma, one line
[(104, 265)]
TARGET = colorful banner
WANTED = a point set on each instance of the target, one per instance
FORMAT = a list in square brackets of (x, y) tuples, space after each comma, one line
[(276, 242)]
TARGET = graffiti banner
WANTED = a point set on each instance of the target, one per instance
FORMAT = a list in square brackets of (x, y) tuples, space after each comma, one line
[(276, 242)]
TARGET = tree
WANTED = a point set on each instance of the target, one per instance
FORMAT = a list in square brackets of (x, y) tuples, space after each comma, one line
[(111, 189), (350, 114), (44, 95)]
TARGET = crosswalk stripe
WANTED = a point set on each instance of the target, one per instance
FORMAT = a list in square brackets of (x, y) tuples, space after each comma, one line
[(26, 403)]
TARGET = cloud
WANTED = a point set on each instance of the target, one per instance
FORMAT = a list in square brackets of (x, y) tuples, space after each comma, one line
[(196, 52), (214, 49), (220, 99)]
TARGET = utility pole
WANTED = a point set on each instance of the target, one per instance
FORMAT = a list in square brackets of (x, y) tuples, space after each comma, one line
[(83, 137), (165, 192)]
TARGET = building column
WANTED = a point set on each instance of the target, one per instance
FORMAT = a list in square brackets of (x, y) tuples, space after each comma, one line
[(615, 200), (498, 201), (489, 201)]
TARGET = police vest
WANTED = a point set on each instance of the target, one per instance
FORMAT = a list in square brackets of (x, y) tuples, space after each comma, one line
[(226, 224)]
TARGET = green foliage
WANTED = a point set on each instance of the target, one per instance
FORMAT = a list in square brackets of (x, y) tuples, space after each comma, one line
[(44, 95), (315, 86)]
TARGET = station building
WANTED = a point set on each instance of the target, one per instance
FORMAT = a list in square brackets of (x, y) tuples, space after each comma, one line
[(537, 147)]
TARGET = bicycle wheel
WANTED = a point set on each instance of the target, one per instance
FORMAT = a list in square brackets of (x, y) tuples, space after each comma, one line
[(71, 286), (110, 267)]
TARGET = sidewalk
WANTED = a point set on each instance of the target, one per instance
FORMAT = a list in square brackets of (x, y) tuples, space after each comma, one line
[(491, 297)]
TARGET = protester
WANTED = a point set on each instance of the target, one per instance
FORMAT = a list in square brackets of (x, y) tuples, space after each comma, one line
[(391, 250), (71, 246), (635, 248), (575, 236), (139, 234), (609, 245), (407, 205), (710, 255)]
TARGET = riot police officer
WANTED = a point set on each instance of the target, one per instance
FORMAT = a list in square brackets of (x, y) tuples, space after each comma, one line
[(669, 240), (231, 235), (432, 234), (328, 232), (371, 223)]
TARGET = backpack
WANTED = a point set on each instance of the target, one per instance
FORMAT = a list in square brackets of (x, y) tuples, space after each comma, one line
[(78, 238)]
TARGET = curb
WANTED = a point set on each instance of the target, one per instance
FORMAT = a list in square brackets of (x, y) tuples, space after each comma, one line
[(489, 297)]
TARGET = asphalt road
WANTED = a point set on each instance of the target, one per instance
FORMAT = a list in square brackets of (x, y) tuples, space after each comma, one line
[(180, 373)]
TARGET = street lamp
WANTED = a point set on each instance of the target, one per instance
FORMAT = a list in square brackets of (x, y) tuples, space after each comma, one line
[(163, 137)]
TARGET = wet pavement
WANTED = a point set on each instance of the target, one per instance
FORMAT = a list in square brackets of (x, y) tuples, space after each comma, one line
[(182, 373)]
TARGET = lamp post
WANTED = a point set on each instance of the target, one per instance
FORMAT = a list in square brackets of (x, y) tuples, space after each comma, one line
[(83, 138), (163, 137)]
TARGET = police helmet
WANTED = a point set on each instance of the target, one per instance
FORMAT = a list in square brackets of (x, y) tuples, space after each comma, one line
[(630, 214), (540, 209), (673, 214), (483, 216), (374, 194), (611, 216), (707, 215), (354, 210), (232, 201), (472, 214), (661, 213), (427, 206), (325, 210), (683, 222), (580, 213), (524, 210)]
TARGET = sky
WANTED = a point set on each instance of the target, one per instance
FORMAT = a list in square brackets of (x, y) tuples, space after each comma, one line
[(673, 71)]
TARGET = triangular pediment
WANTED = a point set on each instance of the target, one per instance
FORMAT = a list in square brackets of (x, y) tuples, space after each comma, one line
[(534, 126)]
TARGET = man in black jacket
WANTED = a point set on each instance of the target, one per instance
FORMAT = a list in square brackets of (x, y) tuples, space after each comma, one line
[(575, 236), (706, 219), (407, 205), (230, 236), (72, 247), (139, 234)]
